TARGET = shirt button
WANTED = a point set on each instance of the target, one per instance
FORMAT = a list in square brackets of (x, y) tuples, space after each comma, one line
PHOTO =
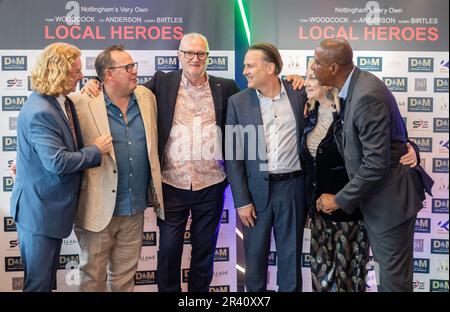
[(114, 171), (129, 142), (131, 158), (113, 191), (319, 151), (131, 174)]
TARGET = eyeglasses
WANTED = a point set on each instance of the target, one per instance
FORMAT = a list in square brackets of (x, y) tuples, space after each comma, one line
[(129, 67), (190, 55)]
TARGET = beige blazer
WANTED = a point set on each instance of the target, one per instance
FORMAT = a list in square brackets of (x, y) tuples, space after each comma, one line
[(98, 188)]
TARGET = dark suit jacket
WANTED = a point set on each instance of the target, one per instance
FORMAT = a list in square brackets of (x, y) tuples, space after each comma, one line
[(372, 142), (250, 184), (45, 192), (165, 86)]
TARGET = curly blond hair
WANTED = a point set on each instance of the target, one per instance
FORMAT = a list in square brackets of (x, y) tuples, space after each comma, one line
[(51, 74)]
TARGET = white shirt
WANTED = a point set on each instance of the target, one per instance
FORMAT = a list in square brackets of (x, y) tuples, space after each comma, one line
[(61, 100)]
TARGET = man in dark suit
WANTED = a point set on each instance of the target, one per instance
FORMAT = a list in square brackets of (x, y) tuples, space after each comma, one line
[(372, 140), (264, 128), (50, 159)]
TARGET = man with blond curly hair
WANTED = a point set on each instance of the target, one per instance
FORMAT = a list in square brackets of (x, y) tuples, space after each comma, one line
[(50, 159)]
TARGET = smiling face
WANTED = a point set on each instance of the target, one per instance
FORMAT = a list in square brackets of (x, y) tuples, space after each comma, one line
[(256, 69), (75, 75), (122, 79), (194, 68), (314, 90)]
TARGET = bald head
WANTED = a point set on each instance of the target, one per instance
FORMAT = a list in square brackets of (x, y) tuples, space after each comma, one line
[(337, 51)]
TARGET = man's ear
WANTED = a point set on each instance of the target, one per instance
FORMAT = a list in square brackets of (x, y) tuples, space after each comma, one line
[(270, 68)]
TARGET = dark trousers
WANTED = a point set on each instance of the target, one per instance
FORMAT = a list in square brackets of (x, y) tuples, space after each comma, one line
[(206, 207), (40, 256), (393, 252), (285, 214)]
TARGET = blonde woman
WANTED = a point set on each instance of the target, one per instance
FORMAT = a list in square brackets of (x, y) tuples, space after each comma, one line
[(339, 243), (50, 159)]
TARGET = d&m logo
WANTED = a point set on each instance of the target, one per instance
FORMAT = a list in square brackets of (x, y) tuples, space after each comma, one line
[(225, 217), (418, 245), (219, 288), (166, 63), (306, 260), (420, 124), (8, 184), (145, 278), (440, 165), (438, 285), (396, 84), (218, 63), (9, 225), (439, 205), (440, 125), (66, 259), (272, 258), (14, 63), (149, 239), (420, 104), (84, 80), (439, 246), (13, 103), (374, 64), (143, 79), (222, 254), (9, 143), (421, 265), (420, 84), (187, 237), (423, 225), (425, 144), (185, 275), (441, 85), (13, 264), (420, 64)]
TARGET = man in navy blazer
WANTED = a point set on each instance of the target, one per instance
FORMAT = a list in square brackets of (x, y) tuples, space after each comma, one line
[(50, 159), (264, 126)]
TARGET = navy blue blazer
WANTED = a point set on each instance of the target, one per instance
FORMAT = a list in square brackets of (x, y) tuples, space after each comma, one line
[(45, 193)]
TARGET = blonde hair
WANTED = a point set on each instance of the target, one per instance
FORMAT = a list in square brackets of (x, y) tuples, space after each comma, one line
[(330, 92), (51, 74)]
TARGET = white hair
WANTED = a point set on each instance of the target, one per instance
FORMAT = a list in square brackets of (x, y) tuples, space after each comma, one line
[(193, 35)]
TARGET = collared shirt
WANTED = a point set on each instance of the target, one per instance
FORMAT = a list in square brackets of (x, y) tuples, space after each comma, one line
[(130, 148), (193, 152), (280, 132), (61, 100), (344, 91)]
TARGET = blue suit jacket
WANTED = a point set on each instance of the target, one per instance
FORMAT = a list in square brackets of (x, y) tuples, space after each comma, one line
[(250, 184), (45, 192)]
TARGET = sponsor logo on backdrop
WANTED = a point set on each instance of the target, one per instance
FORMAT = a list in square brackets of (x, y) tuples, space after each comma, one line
[(444, 67), (145, 278), (12, 123), (218, 63), (187, 237), (442, 227), (292, 62), (441, 85), (225, 217), (420, 104), (185, 275), (438, 285), (14, 63), (370, 63), (220, 274), (9, 143), (29, 83), (149, 239), (440, 165), (423, 225), (143, 79), (90, 62), (67, 259), (84, 80), (219, 288), (421, 265), (222, 254), (439, 205), (13, 103), (443, 146), (420, 64), (420, 124), (9, 225), (69, 242), (13, 264), (166, 63), (147, 258), (420, 84), (418, 245), (440, 125), (13, 244), (8, 184), (306, 260), (439, 246), (14, 83), (418, 285), (441, 266), (17, 283), (442, 184), (272, 258), (396, 84), (425, 145)]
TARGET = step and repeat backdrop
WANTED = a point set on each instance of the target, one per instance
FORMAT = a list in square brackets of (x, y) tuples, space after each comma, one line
[(150, 31), (404, 43)]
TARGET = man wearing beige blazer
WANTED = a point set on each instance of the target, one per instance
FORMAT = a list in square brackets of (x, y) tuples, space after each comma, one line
[(113, 197)]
